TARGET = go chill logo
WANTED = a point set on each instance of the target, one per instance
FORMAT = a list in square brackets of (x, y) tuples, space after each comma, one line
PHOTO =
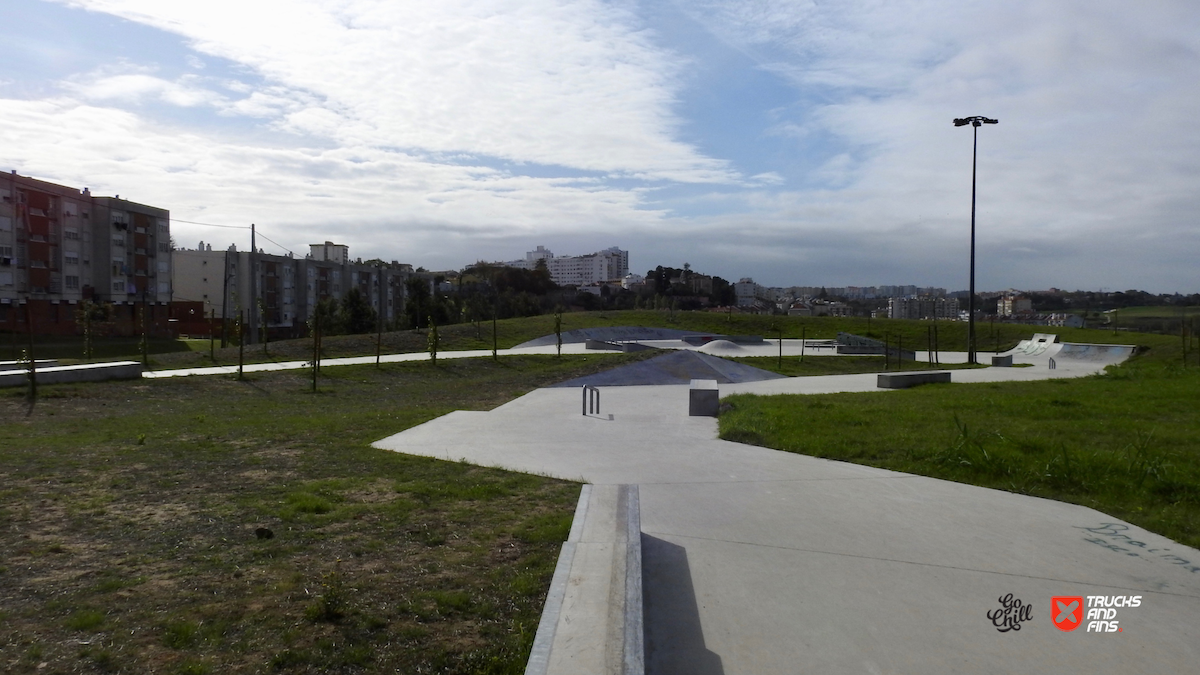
[(1067, 612)]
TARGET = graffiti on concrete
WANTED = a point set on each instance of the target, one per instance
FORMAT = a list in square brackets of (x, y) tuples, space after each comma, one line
[(1114, 537)]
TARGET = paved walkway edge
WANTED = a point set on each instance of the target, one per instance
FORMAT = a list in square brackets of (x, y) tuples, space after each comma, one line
[(592, 621)]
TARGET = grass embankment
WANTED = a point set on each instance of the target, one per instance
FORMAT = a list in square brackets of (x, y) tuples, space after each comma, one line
[(130, 512), (1164, 320), (1126, 442)]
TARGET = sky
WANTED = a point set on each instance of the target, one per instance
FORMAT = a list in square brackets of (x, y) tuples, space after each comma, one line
[(795, 142)]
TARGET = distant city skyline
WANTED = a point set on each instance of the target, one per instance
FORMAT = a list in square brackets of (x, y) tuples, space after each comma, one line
[(797, 141)]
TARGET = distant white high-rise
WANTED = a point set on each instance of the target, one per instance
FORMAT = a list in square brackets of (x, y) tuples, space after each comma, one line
[(580, 270)]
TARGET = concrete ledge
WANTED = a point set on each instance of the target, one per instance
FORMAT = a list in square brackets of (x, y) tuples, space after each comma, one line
[(89, 372), (906, 380), (17, 365), (704, 400), (1002, 361), (616, 346), (592, 621)]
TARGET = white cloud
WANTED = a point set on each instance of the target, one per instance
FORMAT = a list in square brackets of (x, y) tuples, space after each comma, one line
[(572, 84), (371, 199), (393, 122), (1094, 161)]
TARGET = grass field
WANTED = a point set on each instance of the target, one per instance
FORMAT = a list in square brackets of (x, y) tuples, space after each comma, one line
[(131, 508), (130, 513), (1126, 442)]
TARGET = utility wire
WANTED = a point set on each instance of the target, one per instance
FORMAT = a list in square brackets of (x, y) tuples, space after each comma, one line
[(259, 233), (228, 227), (235, 227)]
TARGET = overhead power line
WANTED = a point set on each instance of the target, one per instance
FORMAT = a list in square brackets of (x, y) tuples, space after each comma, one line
[(228, 227), (259, 232), (235, 227)]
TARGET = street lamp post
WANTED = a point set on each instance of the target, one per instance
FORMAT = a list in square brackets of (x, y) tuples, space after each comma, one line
[(974, 122)]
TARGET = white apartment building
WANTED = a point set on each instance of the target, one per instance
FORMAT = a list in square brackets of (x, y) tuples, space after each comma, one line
[(748, 292), (581, 270)]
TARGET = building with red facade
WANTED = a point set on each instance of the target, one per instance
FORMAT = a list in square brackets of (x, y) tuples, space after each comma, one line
[(60, 247)]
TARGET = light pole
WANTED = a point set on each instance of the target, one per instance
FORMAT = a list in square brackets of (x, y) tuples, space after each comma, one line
[(974, 122)]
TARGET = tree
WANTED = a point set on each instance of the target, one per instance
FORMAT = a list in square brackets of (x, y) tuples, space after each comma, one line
[(417, 305), (357, 314), (330, 317)]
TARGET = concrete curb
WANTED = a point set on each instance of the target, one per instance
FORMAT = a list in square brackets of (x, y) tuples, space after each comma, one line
[(633, 618), (592, 621)]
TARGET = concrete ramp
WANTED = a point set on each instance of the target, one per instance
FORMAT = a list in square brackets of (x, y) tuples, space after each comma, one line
[(680, 367), (1034, 346), (1044, 349), (722, 347), (1106, 354)]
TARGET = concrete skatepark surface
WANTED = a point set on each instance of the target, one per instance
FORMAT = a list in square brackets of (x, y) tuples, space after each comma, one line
[(759, 561), (676, 367)]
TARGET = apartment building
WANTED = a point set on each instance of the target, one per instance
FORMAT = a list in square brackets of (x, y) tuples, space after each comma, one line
[(580, 270), (60, 246), (923, 308), (1012, 304), (282, 291)]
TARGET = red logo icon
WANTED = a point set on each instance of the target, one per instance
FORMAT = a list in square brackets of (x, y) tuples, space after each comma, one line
[(1067, 612)]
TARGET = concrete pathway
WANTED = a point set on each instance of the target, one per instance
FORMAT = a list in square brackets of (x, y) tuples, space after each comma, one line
[(757, 561), (790, 348), (362, 360)]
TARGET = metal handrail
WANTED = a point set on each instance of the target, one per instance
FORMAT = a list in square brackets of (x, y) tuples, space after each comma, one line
[(591, 400)]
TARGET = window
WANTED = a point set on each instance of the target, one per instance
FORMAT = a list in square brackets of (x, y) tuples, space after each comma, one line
[(119, 241), (5, 224), (164, 248), (70, 234), (71, 259), (6, 251), (118, 286), (6, 278), (72, 283)]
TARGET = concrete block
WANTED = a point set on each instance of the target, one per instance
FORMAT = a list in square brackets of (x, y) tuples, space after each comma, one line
[(1004, 361), (704, 400), (905, 380), (592, 622)]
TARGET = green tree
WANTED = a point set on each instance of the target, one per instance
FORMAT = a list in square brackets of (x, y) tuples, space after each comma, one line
[(331, 317), (416, 306), (357, 314)]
